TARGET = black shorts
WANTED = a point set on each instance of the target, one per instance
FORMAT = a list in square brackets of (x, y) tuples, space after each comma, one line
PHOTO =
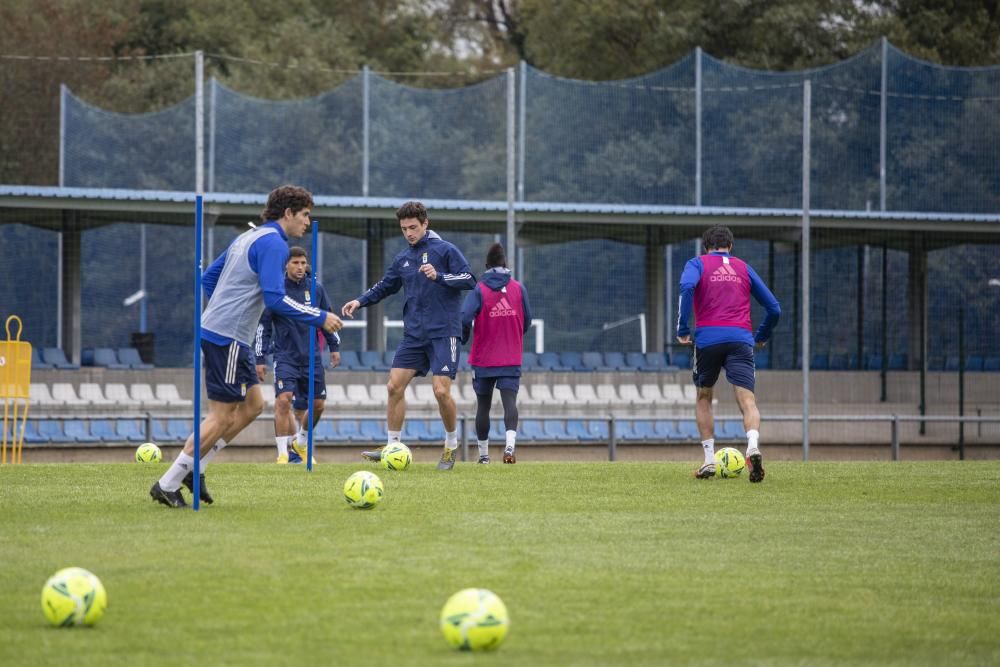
[(736, 358), (229, 373), (289, 377)]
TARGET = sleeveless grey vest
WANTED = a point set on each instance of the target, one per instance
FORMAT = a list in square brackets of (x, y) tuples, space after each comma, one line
[(238, 301)]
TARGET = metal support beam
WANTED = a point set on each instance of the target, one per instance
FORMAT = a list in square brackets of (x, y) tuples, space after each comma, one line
[(655, 292), (375, 268), (71, 281)]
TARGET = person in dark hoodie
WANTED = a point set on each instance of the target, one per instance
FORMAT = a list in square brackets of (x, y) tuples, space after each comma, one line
[(498, 313), (433, 274), (289, 342)]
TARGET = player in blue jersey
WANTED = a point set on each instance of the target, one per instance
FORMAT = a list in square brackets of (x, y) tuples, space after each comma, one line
[(433, 274), (288, 341), (718, 287), (244, 279)]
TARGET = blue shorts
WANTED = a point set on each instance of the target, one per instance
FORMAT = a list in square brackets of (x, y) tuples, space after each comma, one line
[(484, 386), (293, 378), (437, 355), (229, 373), (736, 358)]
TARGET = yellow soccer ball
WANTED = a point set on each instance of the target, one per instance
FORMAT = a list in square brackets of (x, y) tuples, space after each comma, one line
[(73, 596), (363, 490), (729, 463), (396, 456), (474, 619), (148, 452)]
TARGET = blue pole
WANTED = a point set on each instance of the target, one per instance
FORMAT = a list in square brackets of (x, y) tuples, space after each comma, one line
[(312, 342), (198, 208)]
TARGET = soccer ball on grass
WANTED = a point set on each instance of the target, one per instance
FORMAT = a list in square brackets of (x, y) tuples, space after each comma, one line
[(148, 452), (729, 463), (474, 619), (363, 490), (396, 456), (73, 596)]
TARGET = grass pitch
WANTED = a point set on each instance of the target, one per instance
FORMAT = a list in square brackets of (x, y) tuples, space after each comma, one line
[(599, 564)]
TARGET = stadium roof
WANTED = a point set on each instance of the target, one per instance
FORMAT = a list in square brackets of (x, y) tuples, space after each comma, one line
[(560, 221)]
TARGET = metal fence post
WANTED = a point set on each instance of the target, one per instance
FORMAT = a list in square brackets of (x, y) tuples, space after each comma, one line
[(895, 438), (806, 162), (612, 440), (465, 438)]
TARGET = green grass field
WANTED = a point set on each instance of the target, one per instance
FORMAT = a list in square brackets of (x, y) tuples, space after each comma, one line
[(599, 564)]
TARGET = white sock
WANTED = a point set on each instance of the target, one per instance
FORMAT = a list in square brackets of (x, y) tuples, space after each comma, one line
[(484, 447), (451, 439), (393, 437), (216, 448), (709, 447), (511, 440), (752, 436), (282, 442), (303, 435), (182, 465)]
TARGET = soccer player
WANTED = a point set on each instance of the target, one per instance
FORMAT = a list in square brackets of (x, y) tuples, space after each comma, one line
[(718, 287), (498, 314), (288, 340), (239, 283), (432, 273)]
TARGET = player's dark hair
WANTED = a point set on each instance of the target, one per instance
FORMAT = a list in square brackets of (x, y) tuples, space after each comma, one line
[(412, 209), (296, 251), (496, 256), (284, 197), (717, 237)]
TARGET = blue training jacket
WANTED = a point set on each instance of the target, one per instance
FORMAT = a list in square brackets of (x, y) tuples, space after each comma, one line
[(288, 339), (706, 336), (433, 308)]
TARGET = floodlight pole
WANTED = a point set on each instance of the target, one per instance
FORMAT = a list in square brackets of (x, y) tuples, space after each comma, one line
[(312, 345), (511, 168), (196, 474), (806, 160)]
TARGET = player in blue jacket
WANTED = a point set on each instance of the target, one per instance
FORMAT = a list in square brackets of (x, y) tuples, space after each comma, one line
[(288, 341), (244, 279), (433, 273)]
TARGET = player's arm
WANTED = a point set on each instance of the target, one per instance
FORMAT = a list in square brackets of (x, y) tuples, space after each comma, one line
[(210, 278), (526, 307), (458, 273), (262, 343), (470, 309), (267, 257), (766, 298), (332, 338), (689, 280), (389, 285)]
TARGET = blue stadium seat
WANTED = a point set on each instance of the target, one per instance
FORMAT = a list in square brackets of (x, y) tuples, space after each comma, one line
[(974, 363), (615, 361), (688, 430), (681, 360), (549, 361), (598, 429), (531, 429), (57, 358), (133, 430), (623, 429), (415, 430), (529, 362), (87, 356), (160, 432), (592, 361), (463, 361), (324, 431), (38, 362), (731, 429), (347, 430), (898, 362), (665, 429), (874, 362), (577, 429), (762, 359), (636, 361), (51, 430), (991, 364), (572, 361), (31, 433), (838, 362), (130, 356), (372, 430), (106, 357), (820, 362), (642, 429), (349, 360), (853, 362), (104, 429), (178, 429), (370, 360), (435, 431), (387, 358), (951, 363), (555, 429)]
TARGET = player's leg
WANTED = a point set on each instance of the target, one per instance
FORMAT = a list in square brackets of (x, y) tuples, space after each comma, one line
[(483, 388), (301, 441), (740, 373), (284, 423), (399, 379), (509, 387), (443, 356), (707, 365)]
